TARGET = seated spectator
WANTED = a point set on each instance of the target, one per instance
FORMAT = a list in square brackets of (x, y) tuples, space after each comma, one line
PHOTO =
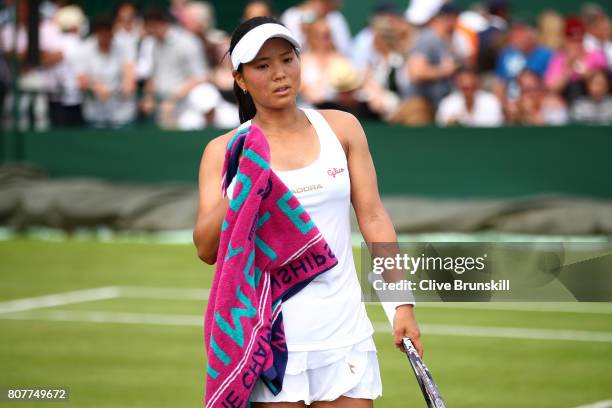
[(491, 39), (535, 106), (349, 95), (413, 112), (551, 28), (469, 35), (127, 29), (107, 74), (199, 19), (295, 18), (571, 65), (35, 79), (364, 48), (469, 105), (206, 108), (316, 60), (257, 8), (386, 77), (179, 66), (431, 63), (498, 14), (522, 53), (67, 98), (596, 107), (597, 36)]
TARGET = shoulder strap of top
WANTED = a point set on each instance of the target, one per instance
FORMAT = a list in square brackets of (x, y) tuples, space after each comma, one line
[(327, 136)]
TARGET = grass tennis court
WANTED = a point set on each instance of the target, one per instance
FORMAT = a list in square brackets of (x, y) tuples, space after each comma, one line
[(120, 324)]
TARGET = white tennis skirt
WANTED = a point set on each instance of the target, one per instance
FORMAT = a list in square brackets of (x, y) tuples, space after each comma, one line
[(326, 375)]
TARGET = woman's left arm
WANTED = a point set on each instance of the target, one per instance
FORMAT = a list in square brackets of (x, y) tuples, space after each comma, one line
[(374, 222)]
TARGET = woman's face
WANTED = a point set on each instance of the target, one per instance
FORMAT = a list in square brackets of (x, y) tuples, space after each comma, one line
[(273, 77), (319, 36)]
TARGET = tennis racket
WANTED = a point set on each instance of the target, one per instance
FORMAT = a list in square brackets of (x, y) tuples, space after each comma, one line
[(430, 390)]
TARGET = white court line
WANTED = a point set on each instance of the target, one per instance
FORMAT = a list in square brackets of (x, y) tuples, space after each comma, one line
[(59, 299), (110, 317), (101, 293), (428, 329), (141, 292), (507, 332), (557, 307), (599, 404)]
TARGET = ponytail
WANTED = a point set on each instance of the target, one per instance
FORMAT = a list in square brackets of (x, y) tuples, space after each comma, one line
[(246, 106)]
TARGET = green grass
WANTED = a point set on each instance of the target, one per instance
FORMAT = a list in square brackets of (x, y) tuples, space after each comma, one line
[(138, 365)]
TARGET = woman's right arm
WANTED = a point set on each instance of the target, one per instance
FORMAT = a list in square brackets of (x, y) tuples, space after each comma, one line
[(212, 205)]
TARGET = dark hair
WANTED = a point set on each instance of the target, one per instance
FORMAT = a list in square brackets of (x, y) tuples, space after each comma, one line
[(122, 4), (103, 22), (156, 14), (246, 106)]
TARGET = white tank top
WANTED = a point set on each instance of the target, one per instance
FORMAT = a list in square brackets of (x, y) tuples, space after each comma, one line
[(328, 312)]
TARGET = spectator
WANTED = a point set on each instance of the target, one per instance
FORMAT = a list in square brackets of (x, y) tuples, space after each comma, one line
[(127, 30), (492, 38), (67, 99), (107, 73), (431, 63), (206, 108), (199, 19), (413, 112), (349, 95), (597, 35), (469, 105), (498, 14), (569, 66), (178, 67), (308, 11), (257, 8), (386, 77), (469, 31), (522, 52), (535, 106), (596, 107), (316, 61), (36, 79), (551, 26), (364, 52)]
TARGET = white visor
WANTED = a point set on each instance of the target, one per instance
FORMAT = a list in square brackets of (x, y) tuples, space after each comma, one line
[(249, 45)]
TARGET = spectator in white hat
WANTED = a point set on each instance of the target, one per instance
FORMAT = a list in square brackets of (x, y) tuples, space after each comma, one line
[(432, 63), (67, 98), (206, 108)]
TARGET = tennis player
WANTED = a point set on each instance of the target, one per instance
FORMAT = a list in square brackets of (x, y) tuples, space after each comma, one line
[(323, 157)]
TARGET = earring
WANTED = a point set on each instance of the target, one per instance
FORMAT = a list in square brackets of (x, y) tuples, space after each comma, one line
[(245, 91)]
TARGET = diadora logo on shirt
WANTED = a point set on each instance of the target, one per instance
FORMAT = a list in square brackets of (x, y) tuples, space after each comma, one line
[(335, 170), (306, 189)]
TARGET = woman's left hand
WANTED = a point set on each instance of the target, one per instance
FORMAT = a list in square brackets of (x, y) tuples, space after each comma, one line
[(405, 325)]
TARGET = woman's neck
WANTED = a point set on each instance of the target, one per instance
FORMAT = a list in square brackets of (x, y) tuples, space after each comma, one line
[(275, 122)]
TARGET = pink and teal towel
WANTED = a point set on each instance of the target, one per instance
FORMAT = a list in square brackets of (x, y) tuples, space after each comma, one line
[(268, 251)]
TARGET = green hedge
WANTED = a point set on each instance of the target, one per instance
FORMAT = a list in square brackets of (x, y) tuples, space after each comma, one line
[(454, 162)]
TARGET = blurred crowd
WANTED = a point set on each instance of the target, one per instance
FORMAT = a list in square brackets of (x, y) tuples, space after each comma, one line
[(428, 63)]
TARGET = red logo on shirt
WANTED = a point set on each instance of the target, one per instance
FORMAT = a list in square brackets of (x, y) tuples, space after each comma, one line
[(333, 171)]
